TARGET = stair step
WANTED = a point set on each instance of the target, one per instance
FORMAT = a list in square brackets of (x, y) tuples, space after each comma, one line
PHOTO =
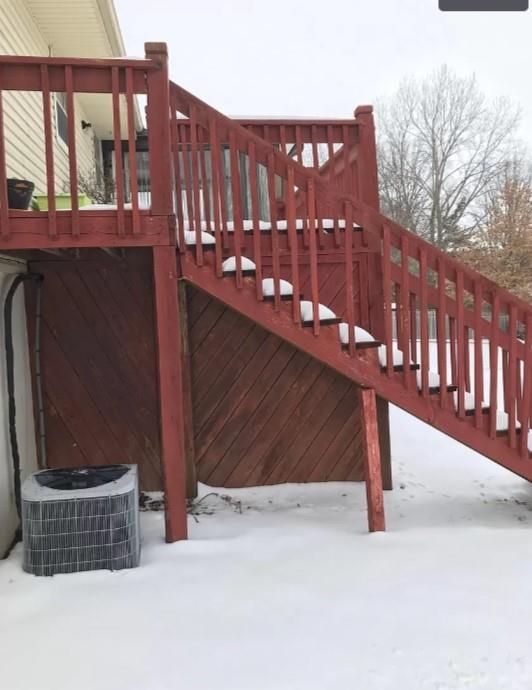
[(504, 432), (433, 390), (363, 345), (327, 224), (470, 411), (323, 322), (284, 298), (399, 367), (244, 272)]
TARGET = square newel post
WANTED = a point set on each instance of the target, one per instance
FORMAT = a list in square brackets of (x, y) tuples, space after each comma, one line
[(372, 460), (159, 139), (368, 190)]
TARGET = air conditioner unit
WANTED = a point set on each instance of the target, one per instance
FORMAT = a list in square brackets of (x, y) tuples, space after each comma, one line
[(83, 518)]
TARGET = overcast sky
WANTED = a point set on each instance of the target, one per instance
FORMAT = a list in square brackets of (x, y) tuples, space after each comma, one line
[(324, 57)]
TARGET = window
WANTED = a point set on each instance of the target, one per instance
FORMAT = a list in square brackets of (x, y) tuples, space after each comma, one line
[(61, 119)]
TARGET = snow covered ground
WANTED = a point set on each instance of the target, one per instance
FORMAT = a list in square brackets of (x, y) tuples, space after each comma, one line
[(291, 593)]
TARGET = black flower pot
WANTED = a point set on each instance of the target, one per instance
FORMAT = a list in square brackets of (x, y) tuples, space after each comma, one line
[(19, 193)]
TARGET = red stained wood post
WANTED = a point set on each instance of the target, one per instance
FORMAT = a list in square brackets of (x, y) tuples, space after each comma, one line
[(159, 140), (372, 460), (167, 314), (171, 390), (368, 192)]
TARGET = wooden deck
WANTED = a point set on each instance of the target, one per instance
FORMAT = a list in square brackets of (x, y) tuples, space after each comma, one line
[(214, 185)]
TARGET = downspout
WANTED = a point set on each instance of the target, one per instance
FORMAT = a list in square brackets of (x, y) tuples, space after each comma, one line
[(10, 370)]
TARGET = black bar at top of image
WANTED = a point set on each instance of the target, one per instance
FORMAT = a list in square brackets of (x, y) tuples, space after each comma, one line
[(483, 5)]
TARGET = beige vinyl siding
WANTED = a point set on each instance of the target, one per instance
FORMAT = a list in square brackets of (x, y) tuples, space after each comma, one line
[(23, 120)]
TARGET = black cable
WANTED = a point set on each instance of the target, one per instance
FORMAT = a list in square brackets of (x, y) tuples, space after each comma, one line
[(10, 370)]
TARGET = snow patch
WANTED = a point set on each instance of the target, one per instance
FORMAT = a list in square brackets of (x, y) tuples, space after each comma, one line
[(307, 312), (245, 264), (190, 238), (268, 287), (361, 336)]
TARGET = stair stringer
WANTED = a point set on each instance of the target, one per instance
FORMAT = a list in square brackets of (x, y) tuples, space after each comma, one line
[(363, 369)]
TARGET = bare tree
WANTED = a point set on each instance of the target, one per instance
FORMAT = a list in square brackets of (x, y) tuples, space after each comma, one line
[(502, 250), (442, 146)]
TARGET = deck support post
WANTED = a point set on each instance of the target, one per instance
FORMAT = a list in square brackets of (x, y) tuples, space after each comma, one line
[(170, 378), (190, 452), (372, 460)]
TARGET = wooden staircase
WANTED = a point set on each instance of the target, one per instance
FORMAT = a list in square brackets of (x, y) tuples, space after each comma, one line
[(484, 334), (280, 220)]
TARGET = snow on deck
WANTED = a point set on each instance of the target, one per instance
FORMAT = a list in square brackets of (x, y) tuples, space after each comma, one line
[(291, 593)]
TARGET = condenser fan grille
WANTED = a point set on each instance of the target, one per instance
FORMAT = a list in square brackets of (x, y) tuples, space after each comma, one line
[(80, 477)]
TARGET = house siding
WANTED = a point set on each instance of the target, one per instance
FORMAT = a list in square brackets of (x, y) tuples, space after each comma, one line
[(23, 120)]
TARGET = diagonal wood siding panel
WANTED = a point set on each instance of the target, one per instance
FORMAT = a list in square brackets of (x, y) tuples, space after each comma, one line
[(98, 359), (264, 412)]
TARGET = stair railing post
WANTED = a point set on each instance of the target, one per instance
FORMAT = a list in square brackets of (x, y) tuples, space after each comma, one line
[(367, 187), (159, 139)]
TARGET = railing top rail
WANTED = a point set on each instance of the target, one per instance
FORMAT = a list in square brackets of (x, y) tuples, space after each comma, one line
[(136, 63), (297, 121), (307, 130)]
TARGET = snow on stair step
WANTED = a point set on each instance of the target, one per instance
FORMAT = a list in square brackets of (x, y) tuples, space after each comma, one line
[(361, 336), (266, 226), (245, 264), (268, 287), (397, 356), (206, 238), (307, 313), (433, 379), (503, 422)]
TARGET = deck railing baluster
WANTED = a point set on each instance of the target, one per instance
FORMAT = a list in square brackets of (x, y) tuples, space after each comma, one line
[(526, 402), (178, 190), (478, 365), (48, 151), (196, 200), (349, 295), (494, 363), (216, 194), (72, 157), (313, 255), (424, 324), (405, 309), (237, 207), (512, 381), (461, 356), (387, 304), (132, 155), (294, 251), (119, 168), (274, 234), (442, 331), (255, 218)]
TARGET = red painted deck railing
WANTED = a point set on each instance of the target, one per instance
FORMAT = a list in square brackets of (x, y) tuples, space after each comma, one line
[(478, 371), (328, 146), (120, 80)]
